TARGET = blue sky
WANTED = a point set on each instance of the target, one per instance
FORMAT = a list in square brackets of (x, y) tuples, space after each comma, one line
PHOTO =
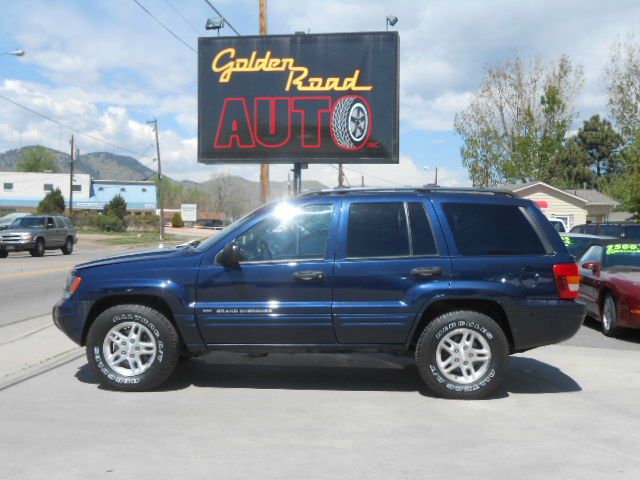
[(105, 68)]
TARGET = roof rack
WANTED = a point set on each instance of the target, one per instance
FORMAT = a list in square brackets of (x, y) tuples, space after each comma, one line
[(424, 189)]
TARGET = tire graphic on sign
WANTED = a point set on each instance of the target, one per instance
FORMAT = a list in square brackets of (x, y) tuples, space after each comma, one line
[(351, 122)]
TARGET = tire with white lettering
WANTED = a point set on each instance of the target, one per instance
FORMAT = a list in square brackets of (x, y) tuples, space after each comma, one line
[(132, 348), (462, 354), (350, 122)]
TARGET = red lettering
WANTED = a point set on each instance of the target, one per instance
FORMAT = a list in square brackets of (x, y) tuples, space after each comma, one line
[(235, 124)]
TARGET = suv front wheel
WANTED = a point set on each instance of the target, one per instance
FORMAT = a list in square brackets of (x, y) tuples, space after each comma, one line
[(132, 347), (38, 249), (462, 354)]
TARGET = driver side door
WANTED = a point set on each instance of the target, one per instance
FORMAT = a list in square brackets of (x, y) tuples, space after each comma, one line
[(281, 291)]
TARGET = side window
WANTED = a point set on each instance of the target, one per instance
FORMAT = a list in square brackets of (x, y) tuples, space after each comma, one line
[(59, 222), (632, 232), (421, 234), (50, 223), (593, 254), (377, 230), (485, 229), (290, 233)]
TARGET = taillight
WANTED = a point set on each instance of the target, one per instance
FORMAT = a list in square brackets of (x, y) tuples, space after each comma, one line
[(567, 280)]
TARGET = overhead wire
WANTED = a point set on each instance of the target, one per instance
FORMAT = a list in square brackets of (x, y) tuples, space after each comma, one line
[(165, 27), (182, 16)]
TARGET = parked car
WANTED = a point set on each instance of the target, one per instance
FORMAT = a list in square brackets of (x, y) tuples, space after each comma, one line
[(610, 285), (578, 243), (37, 233), (412, 271), (7, 220), (628, 231), (558, 225)]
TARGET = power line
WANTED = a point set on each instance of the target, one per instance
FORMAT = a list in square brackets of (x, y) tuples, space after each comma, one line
[(182, 16), (165, 27), (220, 15), (79, 132)]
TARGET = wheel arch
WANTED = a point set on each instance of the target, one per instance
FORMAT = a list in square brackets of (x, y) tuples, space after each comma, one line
[(488, 307), (151, 301)]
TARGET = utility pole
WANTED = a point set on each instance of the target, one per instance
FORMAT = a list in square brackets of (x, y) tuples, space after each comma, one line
[(73, 152), (362, 181), (340, 176), (154, 123), (264, 167), (436, 181)]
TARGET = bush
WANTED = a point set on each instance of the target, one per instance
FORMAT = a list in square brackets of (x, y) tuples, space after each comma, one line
[(52, 203), (109, 223), (143, 223), (117, 207), (176, 221)]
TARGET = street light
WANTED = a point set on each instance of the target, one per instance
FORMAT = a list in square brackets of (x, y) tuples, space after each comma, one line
[(214, 23), (391, 20), (15, 53)]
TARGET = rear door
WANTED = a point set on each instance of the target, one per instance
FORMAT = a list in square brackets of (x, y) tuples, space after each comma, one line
[(51, 233), (389, 263)]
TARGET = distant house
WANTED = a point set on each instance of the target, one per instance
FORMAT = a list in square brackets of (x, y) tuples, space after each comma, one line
[(23, 191), (574, 207)]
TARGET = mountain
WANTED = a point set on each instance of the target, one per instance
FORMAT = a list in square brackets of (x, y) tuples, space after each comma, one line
[(100, 165), (109, 166)]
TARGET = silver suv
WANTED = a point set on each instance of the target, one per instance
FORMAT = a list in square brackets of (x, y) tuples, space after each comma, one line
[(38, 233)]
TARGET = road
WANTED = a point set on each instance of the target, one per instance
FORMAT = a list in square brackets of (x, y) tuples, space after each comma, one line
[(29, 287), (565, 411)]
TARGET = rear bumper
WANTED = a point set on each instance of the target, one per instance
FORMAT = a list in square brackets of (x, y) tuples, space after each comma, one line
[(70, 317), (535, 323)]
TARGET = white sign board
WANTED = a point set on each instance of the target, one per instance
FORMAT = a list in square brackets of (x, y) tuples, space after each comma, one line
[(189, 212)]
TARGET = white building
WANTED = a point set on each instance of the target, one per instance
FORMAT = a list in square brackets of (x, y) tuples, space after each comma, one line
[(23, 191)]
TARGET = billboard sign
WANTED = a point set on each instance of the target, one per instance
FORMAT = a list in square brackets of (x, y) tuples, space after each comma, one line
[(189, 212), (298, 98)]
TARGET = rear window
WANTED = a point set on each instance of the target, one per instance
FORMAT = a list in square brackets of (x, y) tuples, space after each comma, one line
[(377, 230), (482, 229)]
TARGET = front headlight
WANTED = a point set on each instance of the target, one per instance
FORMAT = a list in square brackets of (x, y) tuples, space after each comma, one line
[(25, 236)]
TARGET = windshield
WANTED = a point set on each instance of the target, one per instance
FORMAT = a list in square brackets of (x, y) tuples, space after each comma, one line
[(577, 245), (206, 244), (28, 222), (622, 255)]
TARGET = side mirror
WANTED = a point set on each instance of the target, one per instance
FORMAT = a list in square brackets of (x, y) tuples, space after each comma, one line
[(593, 266), (229, 256)]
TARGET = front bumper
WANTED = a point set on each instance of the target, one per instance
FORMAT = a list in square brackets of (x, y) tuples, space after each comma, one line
[(70, 317), (536, 323), (17, 246)]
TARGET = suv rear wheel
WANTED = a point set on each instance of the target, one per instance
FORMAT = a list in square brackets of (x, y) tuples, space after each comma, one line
[(132, 347), (462, 354), (67, 248), (38, 250)]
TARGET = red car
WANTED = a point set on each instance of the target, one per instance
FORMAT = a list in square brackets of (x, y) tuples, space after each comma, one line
[(610, 284)]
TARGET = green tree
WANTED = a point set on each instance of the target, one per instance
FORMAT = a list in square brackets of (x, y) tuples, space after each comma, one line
[(516, 121), (176, 220), (601, 143), (52, 203), (36, 159), (570, 168), (117, 207)]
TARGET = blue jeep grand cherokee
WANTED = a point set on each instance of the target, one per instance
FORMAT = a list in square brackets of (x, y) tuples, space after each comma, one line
[(460, 279)]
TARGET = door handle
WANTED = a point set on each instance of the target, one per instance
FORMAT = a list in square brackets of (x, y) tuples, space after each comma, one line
[(308, 276), (426, 272)]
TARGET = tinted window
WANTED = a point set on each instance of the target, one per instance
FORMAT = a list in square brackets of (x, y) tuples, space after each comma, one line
[(577, 245), (421, 235), (578, 229), (8, 186), (594, 254), (632, 232), (611, 230), (59, 222), (591, 229), (377, 230), (289, 233), (481, 229), (37, 222), (77, 188)]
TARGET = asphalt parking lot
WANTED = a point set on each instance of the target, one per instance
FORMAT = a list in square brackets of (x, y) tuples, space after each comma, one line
[(566, 411)]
